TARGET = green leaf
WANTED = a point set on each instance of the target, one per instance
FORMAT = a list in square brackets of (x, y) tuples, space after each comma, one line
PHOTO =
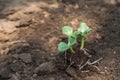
[(84, 29), (67, 30), (73, 38), (71, 41), (75, 34), (62, 46)]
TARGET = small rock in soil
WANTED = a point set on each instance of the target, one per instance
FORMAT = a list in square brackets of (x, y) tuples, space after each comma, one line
[(47, 67), (5, 73), (25, 57)]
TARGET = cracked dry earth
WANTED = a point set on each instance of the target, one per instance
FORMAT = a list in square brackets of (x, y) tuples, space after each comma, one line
[(30, 32)]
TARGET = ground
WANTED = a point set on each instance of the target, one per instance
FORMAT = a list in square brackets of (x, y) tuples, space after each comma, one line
[(30, 31)]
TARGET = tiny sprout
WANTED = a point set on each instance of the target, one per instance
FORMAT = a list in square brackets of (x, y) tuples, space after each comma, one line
[(72, 36), (84, 30)]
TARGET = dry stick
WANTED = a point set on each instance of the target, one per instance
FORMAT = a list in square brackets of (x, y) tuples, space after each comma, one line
[(70, 65), (86, 53), (84, 65), (86, 71), (88, 61), (96, 67), (94, 62), (80, 64)]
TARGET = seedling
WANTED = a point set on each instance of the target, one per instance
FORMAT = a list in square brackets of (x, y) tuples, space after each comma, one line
[(72, 36), (84, 30)]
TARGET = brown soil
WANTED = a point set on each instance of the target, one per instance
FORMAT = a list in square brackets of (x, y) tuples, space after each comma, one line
[(31, 29)]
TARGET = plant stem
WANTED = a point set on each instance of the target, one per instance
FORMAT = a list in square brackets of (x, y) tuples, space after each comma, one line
[(82, 42), (72, 50)]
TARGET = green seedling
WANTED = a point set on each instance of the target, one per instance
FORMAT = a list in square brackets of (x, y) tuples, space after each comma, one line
[(72, 36), (84, 30)]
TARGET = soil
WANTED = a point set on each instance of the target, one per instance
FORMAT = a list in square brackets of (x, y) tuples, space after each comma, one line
[(31, 29)]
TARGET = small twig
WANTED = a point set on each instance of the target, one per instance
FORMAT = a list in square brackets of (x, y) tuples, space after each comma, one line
[(86, 71), (86, 49), (94, 62), (81, 67), (96, 67), (80, 64), (86, 53), (70, 65)]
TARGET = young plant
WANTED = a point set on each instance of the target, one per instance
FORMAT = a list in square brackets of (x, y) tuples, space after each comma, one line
[(72, 36), (84, 30)]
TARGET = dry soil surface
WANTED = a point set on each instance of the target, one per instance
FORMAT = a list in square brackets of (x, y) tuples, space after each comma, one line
[(30, 31)]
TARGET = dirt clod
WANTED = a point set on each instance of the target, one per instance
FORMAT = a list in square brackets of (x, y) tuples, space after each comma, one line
[(45, 67), (5, 73), (16, 66), (16, 56), (18, 48), (25, 57), (24, 23)]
